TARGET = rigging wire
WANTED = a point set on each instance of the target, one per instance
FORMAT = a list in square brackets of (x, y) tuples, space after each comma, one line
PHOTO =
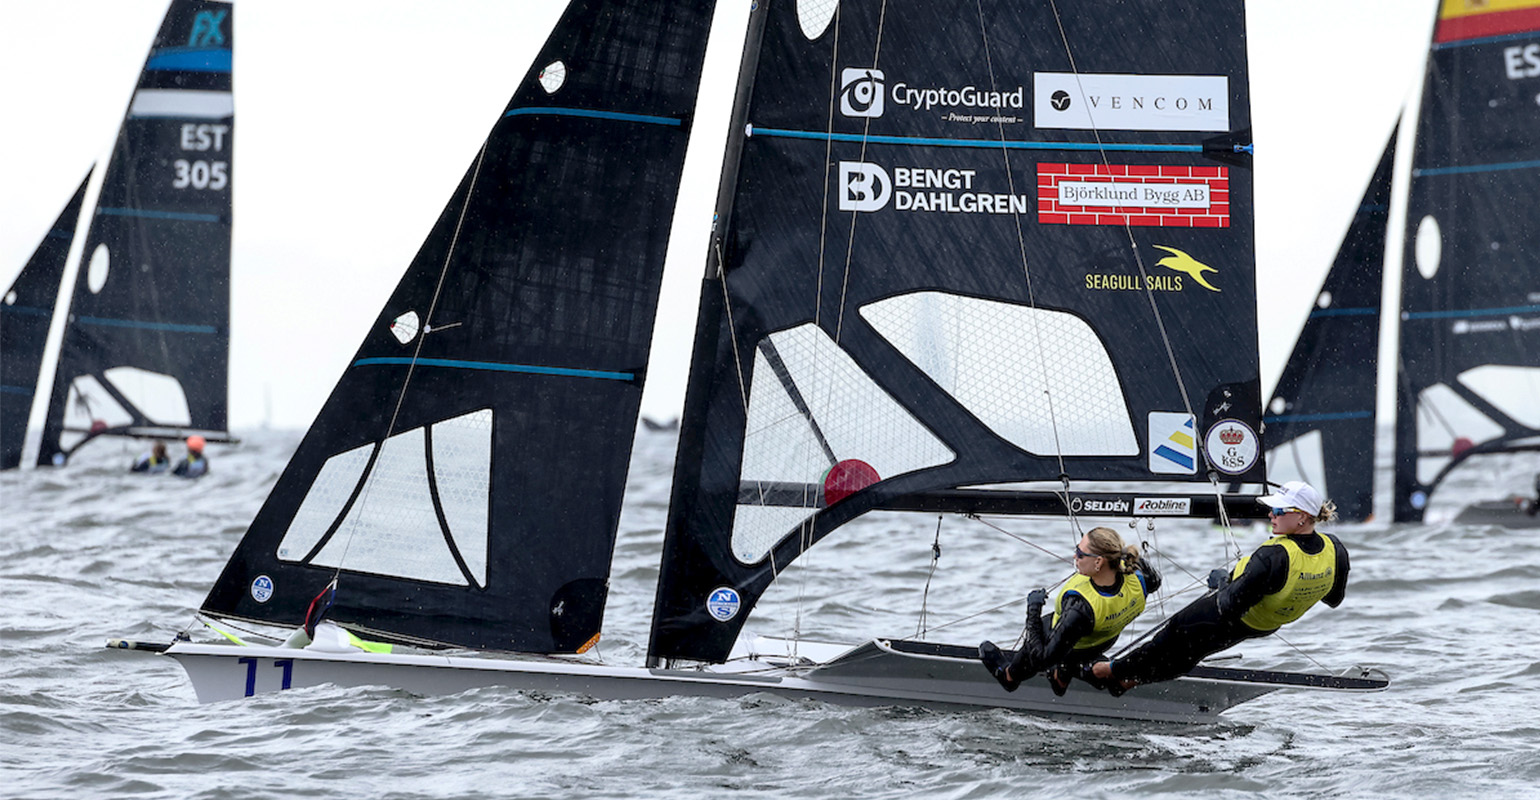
[(438, 287), (935, 558)]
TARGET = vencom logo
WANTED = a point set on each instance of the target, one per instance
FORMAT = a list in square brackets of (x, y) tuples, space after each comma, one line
[(863, 186), (861, 92)]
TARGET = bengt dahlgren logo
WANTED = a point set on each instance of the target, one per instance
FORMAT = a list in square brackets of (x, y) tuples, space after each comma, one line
[(864, 187), (861, 92)]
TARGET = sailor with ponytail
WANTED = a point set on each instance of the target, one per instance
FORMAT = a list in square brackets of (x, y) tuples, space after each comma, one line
[(1106, 593)]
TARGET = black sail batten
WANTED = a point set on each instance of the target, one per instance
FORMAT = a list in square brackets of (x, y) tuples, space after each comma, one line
[(26, 312), (464, 479), (1320, 422), (918, 366), (1469, 353), (147, 342)]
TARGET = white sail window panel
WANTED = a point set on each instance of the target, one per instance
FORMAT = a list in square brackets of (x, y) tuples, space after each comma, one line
[(323, 502), (1003, 362), (553, 76), (813, 16), (1515, 391), (1300, 459), (96, 271), (88, 404), (405, 327), (857, 419), (1442, 418), (462, 472), (392, 528), (158, 395)]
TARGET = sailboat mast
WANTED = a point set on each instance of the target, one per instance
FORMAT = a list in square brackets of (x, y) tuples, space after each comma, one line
[(697, 398)]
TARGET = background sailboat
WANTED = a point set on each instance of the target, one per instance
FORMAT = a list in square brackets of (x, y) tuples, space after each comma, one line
[(1059, 300), (1468, 320), (26, 312), (145, 347)]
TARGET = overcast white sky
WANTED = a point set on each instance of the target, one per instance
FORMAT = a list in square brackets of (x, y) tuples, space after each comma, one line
[(355, 121)]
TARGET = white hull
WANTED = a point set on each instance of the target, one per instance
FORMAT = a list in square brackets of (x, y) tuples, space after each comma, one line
[(872, 674)]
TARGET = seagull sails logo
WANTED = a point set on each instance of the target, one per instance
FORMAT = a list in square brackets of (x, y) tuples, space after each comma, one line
[(1191, 272)]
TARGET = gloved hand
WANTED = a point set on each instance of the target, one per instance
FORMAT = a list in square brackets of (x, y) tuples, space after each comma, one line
[(1036, 598), (1218, 578)]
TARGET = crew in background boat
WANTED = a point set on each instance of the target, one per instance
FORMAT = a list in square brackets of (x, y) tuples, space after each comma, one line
[(1106, 593), (195, 465), (1268, 589), (154, 462)]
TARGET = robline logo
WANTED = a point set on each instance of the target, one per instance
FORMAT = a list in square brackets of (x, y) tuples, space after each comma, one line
[(861, 92)]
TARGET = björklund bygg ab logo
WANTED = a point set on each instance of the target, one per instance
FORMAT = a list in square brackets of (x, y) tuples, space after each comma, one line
[(861, 92)]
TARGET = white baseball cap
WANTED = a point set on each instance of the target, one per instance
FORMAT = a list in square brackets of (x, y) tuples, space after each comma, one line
[(1294, 494)]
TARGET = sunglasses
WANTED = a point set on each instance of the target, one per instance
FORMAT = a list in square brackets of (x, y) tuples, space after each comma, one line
[(1083, 554), (1278, 512)]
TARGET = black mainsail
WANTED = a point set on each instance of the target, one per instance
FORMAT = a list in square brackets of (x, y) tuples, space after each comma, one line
[(1469, 371), (26, 312), (957, 245), (146, 345), (463, 481), (1321, 418)]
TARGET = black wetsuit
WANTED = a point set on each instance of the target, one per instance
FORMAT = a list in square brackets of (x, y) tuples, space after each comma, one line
[(1050, 645), (1213, 622)]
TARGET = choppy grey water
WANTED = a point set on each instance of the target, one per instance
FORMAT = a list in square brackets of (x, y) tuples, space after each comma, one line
[(91, 552)]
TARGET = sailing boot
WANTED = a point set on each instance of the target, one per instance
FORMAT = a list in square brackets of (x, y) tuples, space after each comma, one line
[(1058, 679), (998, 665)]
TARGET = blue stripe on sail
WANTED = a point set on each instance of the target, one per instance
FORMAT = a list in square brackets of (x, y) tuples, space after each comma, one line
[(151, 214), (1333, 417), (202, 59), (1474, 312), (583, 112), (1344, 312), (1506, 37), (981, 143), (1511, 165), (25, 390), (28, 311), (565, 372), (172, 327), (1174, 456)]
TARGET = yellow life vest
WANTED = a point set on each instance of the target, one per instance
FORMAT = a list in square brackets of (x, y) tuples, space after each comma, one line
[(1310, 578), (1112, 613)]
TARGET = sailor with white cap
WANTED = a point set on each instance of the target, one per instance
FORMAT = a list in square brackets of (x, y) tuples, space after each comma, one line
[(1268, 589)]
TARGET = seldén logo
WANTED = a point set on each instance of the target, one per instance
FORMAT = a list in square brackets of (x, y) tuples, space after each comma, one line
[(862, 92), (206, 29)]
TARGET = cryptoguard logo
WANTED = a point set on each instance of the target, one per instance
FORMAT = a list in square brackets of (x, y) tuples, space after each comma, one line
[(863, 186), (861, 92), (723, 603)]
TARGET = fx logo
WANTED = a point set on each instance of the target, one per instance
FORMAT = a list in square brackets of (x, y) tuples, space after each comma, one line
[(861, 93), (205, 29), (863, 186)]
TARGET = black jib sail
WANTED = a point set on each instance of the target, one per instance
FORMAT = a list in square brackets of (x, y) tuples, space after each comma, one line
[(463, 481), (146, 345), (1469, 372), (1321, 418), (26, 311), (962, 245)]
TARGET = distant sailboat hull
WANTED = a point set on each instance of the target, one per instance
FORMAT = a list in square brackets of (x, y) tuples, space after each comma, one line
[(877, 673)]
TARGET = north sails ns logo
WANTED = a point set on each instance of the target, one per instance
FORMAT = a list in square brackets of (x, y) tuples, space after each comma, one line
[(861, 92)]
